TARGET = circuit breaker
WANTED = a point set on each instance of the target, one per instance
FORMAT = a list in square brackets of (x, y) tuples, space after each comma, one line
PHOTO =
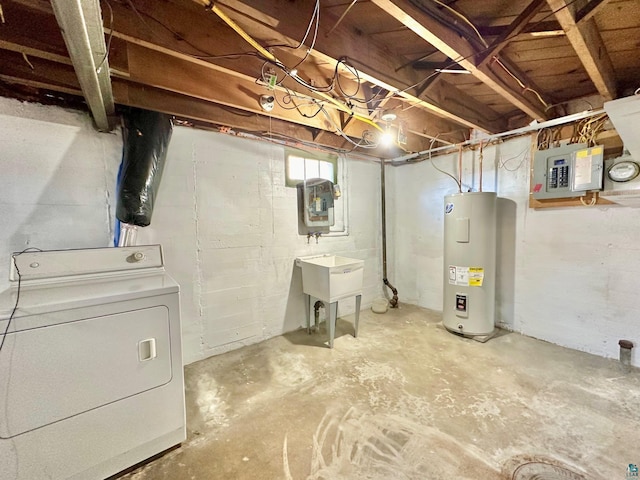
[(315, 206), (567, 171)]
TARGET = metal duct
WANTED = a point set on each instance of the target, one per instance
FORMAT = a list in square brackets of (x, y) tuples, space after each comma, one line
[(81, 25)]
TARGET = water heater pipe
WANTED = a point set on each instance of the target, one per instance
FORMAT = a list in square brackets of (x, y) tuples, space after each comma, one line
[(393, 303), (460, 168), (480, 165)]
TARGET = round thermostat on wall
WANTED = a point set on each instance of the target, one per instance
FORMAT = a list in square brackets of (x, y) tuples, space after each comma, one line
[(623, 171)]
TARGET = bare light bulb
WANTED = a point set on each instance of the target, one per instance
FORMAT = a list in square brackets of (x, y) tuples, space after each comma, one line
[(386, 139)]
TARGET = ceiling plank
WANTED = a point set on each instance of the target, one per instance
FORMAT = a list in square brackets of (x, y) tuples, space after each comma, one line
[(141, 96), (449, 42), (212, 83), (589, 10), (375, 63), (587, 42), (512, 31), (538, 28)]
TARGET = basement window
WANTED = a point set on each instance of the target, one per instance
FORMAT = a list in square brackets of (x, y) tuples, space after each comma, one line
[(302, 165)]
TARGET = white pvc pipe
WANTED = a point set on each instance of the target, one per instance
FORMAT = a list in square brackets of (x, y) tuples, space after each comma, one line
[(532, 127)]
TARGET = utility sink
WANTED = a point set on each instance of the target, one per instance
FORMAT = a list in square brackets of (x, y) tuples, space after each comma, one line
[(330, 278)]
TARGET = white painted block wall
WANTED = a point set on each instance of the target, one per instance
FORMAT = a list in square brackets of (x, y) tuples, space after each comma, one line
[(57, 180), (226, 221), (228, 225), (565, 275)]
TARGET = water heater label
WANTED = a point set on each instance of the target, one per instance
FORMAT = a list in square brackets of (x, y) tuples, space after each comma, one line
[(466, 276), (448, 208), (476, 276)]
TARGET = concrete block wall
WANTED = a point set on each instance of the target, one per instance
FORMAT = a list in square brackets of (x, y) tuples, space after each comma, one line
[(228, 225), (564, 275), (57, 180), (226, 221)]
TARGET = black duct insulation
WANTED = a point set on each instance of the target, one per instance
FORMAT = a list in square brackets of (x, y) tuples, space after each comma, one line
[(146, 137)]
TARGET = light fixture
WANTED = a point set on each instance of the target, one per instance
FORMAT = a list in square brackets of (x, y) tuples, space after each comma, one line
[(388, 116), (548, 33), (267, 102), (452, 70), (386, 138)]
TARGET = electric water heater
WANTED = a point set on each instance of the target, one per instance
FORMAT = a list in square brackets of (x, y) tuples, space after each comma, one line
[(469, 263)]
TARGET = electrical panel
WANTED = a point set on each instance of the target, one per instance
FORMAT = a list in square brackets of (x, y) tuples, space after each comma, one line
[(315, 206), (567, 171)]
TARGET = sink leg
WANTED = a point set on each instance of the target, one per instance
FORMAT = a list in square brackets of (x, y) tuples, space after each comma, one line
[(333, 313), (355, 330), (307, 309)]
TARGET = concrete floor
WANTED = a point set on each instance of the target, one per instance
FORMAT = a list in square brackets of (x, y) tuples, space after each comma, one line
[(405, 400)]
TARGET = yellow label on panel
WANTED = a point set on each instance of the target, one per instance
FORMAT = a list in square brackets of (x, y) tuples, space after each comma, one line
[(582, 153), (596, 151), (476, 276)]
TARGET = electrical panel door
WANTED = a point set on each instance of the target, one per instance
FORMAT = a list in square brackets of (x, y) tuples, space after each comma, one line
[(567, 171)]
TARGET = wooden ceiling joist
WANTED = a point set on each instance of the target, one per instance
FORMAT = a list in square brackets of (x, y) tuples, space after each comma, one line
[(449, 42), (589, 10), (381, 67), (587, 42), (517, 26)]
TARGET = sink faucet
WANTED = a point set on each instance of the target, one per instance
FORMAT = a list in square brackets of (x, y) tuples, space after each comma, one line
[(313, 234)]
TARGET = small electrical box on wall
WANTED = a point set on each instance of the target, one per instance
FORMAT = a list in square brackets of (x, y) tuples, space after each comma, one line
[(315, 205), (567, 171)]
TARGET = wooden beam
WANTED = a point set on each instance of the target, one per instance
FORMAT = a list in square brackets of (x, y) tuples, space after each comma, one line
[(215, 84), (511, 31), (134, 95), (375, 63), (449, 42), (538, 28), (589, 10), (587, 42)]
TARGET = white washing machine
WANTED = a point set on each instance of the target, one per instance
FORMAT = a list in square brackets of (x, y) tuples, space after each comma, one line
[(91, 377)]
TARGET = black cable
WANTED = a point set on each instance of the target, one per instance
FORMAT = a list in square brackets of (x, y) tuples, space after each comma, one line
[(15, 307), (460, 59)]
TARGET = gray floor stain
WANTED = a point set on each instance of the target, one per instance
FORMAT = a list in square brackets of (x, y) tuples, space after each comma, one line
[(405, 400)]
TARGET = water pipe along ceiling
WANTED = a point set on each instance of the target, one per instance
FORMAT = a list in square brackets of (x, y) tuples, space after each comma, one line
[(338, 70)]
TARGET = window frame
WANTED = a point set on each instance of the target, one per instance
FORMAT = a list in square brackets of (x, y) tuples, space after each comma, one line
[(320, 157)]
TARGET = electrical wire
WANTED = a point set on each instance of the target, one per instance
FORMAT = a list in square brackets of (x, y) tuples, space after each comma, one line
[(592, 202), (316, 15), (108, 46), (522, 85), (502, 163), (364, 143), (433, 164), (466, 20), (455, 62), (15, 307)]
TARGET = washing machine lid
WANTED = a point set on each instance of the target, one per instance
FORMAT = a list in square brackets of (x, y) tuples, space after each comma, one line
[(64, 279)]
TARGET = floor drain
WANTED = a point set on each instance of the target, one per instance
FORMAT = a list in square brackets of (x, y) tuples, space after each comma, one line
[(544, 471)]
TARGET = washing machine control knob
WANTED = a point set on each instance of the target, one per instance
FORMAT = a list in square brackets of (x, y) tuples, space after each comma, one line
[(138, 256)]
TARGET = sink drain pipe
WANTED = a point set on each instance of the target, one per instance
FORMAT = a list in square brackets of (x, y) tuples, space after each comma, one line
[(316, 313), (393, 303)]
